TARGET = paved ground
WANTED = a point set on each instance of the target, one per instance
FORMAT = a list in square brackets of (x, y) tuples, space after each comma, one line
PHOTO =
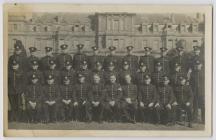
[(97, 126)]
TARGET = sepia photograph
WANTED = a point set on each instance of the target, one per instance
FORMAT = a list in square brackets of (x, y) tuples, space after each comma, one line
[(108, 70)]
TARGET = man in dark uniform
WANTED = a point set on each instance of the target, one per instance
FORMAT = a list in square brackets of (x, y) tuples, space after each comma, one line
[(110, 71), (98, 98), (165, 100), (147, 96), (79, 57), (95, 58), (198, 86), (69, 72), (184, 97), (111, 58), (18, 57), (131, 59), (148, 59), (130, 94), (33, 95), (125, 71), (63, 57), (52, 71), (16, 83), (113, 93), (66, 103), (195, 57), (51, 100), (157, 76), (142, 71), (164, 60), (32, 56), (181, 59), (46, 59), (99, 71), (34, 69), (85, 71), (174, 78), (82, 100)]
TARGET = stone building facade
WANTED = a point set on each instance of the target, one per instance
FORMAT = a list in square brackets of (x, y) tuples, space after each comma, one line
[(105, 29)]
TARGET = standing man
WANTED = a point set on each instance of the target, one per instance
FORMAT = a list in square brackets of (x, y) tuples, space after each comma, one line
[(63, 57), (51, 100), (69, 72), (46, 59), (66, 102), (141, 73), (131, 59), (148, 59), (184, 97), (85, 71), (99, 71), (95, 58), (16, 83), (34, 95), (164, 104), (113, 98), (111, 58), (130, 95), (79, 57), (34, 69), (110, 71), (125, 71), (174, 78), (32, 56), (157, 76), (147, 96), (52, 71), (18, 56), (164, 60), (198, 86), (82, 100), (98, 98)]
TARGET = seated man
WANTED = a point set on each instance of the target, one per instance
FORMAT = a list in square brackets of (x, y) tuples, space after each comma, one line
[(130, 99), (166, 98), (113, 97), (66, 99), (82, 100), (98, 98), (51, 100), (184, 98), (147, 97), (33, 94)]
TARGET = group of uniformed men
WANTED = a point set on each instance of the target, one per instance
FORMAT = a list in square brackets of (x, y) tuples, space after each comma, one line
[(110, 88)]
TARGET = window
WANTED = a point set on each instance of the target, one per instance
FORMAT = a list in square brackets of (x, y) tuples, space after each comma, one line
[(170, 44), (15, 27), (116, 43), (76, 28), (121, 43), (72, 28), (109, 25), (144, 43), (46, 29), (144, 28), (121, 25), (156, 44), (195, 43), (195, 28), (183, 28), (87, 43), (75, 43), (116, 25), (109, 42)]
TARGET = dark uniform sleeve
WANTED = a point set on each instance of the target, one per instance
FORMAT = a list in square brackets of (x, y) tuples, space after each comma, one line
[(155, 95), (119, 93), (171, 95), (74, 94), (89, 94), (140, 95), (190, 94)]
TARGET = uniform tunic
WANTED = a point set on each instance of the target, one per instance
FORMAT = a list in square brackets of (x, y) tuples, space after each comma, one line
[(93, 59), (82, 92), (147, 94), (183, 94), (165, 63), (166, 95), (21, 59), (98, 92), (133, 62), (113, 92), (71, 74), (157, 78), (149, 61), (78, 59), (181, 60), (101, 73), (45, 62), (61, 59), (174, 78), (140, 76), (55, 73), (130, 91), (34, 93), (38, 74)]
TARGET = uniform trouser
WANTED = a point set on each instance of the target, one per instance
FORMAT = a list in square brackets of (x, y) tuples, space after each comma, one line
[(14, 112), (50, 112), (129, 110), (181, 108), (146, 113), (98, 111), (163, 114), (113, 113), (34, 114), (83, 112), (66, 111), (199, 103)]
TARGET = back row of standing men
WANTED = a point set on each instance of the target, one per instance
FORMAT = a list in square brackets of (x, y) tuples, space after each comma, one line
[(105, 66)]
